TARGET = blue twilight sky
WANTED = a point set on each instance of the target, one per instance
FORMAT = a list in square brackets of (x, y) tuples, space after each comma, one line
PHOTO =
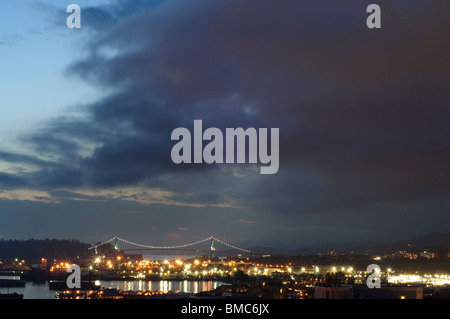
[(86, 117), (35, 50)]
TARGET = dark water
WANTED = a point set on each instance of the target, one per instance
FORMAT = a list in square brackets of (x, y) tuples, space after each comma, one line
[(41, 291)]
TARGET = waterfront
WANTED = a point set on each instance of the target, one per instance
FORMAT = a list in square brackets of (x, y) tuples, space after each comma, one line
[(42, 291), (110, 273)]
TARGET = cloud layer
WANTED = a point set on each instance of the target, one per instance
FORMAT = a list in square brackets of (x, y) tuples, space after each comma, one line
[(363, 114)]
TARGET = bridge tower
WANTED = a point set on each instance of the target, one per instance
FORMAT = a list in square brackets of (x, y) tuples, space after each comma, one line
[(116, 245), (212, 249)]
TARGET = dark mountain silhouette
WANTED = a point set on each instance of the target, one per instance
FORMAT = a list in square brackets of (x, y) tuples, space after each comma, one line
[(437, 241)]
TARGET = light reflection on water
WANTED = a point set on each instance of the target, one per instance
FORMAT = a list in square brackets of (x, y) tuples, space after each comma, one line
[(163, 285), (41, 291)]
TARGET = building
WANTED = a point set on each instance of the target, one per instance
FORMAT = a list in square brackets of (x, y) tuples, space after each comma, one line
[(255, 290), (364, 292), (333, 293)]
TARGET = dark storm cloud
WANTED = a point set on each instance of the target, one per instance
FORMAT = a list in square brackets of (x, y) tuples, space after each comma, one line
[(20, 158), (11, 180), (352, 104), (363, 114)]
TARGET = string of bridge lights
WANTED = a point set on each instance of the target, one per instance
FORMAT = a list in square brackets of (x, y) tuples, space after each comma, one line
[(169, 247), (234, 247)]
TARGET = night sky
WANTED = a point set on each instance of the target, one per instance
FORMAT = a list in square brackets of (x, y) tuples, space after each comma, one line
[(86, 117)]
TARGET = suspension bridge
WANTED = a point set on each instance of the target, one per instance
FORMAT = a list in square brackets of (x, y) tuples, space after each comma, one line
[(190, 247)]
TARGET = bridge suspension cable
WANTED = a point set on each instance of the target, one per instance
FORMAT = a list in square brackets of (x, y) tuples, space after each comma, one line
[(164, 247), (234, 247), (169, 247), (104, 243)]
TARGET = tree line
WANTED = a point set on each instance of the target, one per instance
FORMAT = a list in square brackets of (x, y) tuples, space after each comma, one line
[(33, 250)]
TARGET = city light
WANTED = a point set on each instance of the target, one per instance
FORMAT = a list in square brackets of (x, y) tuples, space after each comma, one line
[(294, 277)]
